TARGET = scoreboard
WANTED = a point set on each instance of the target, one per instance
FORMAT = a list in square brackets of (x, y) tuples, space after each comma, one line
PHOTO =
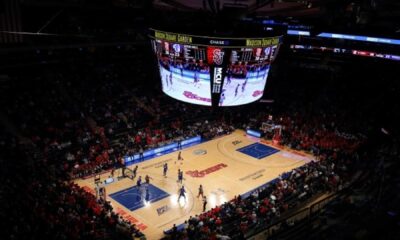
[(176, 50), (213, 71)]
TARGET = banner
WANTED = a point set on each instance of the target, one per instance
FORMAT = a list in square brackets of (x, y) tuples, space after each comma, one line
[(162, 149), (214, 41)]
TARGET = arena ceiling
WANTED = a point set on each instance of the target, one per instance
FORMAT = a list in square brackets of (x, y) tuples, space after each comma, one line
[(376, 14), (269, 7), (380, 17)]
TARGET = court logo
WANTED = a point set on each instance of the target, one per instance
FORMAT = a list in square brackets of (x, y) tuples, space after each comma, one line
[(218, 56), (162, 210), (236, 142), (217, 79), (253, 175), (130, 219), (200, 152), (177, 48), (194, 96), (202, 173), (157, 165), (218, 75), (257, 93), (219, 191)]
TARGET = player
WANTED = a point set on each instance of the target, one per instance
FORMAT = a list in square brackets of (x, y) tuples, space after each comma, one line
[(121, 164), (229, 76), (204, 203), (141, 153), (236, 90), (135, 171), (147, 195), (196, 79), (165, 169), (244, 85), (180, 176), (222, 97), (182, 192), (201, 191), (166, 79), (170, 78), (180, 156), (139, 182), (147, 179)]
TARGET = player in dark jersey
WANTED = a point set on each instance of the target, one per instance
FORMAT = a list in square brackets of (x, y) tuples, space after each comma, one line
[(201, 191), (170, 78), (228, 76), (182, 192), (135, 171), (236, 90), (222, 98), (139, 182), (244, 85), (180, 156), (147, 196), (196, 79), (165, 169), (147, 179), (204, 203), (180, 176)]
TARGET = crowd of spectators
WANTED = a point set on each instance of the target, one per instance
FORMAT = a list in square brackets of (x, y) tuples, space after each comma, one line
[(74, 121), (74, 126), (334, 133), (54, 137), (265, 205), (189, 65), (44, 205), (337, 156), (244, 69), (110, 122)]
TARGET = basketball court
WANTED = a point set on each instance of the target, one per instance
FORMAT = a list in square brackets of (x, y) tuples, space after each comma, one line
[(227, 166)]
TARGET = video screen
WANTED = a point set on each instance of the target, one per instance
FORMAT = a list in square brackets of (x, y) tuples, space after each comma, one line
[(213, 71), (246, 75), (184, 72)]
